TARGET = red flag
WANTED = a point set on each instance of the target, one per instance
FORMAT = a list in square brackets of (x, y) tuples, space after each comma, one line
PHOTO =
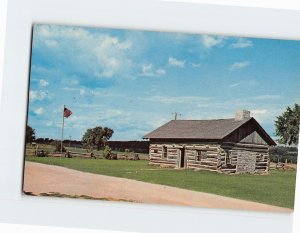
[(67, 112)]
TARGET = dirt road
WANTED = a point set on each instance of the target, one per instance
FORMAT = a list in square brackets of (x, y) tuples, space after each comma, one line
[(41, 178)]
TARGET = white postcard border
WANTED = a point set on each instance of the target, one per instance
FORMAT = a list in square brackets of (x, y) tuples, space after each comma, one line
[(129, 14)]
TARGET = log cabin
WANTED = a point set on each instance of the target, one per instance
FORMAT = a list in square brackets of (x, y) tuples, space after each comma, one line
[(234, 146)]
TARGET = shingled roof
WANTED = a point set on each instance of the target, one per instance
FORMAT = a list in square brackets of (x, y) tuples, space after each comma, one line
[(202, 129)]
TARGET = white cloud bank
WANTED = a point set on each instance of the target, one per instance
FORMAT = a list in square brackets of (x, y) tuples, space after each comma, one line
[(96, 54)]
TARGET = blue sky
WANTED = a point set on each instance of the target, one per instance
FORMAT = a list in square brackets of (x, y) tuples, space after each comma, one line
[(132, 81)]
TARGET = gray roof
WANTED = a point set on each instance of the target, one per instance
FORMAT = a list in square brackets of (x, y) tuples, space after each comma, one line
[(197, 129)]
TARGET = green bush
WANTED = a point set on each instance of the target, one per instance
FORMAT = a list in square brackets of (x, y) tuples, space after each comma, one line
[(41, 153), (57, 145), (106, 152)]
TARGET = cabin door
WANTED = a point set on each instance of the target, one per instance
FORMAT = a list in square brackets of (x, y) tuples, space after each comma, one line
[(181, 158)]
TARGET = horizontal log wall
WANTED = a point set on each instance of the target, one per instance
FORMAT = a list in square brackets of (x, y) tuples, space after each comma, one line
[(262, 164), (226, 158), (209, 160), (156, 155)]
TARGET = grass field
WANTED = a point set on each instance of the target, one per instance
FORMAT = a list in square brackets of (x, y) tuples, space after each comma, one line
[(276, 188)]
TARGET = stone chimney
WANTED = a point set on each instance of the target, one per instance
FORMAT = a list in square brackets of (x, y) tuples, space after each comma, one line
[(241, 115)]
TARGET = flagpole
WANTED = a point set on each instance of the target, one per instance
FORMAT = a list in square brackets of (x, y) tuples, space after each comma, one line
[(62, 130)]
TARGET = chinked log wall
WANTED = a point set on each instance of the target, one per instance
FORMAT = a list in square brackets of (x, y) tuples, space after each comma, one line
[(156, 155), (226, 158), (210, 160), (244, 158)]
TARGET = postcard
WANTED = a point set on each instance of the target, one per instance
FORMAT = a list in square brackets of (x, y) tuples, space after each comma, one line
[(165, 118)]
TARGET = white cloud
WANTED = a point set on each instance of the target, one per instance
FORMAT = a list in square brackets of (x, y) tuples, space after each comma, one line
[(86, 91), (261, 115), (249, 82), (49, 123), (174, 62), (258, 111), (160, 71), (43, 83), (241, 43), (252, 82), (82, 91), (111, 54), (239, 65), (235, 85), (196, 65), (177, 99), (37, 95), (70, 89), (39, 111), (51, 43), (149, 70), (267, 97), (212, 41), (90, 106), (73, 82)]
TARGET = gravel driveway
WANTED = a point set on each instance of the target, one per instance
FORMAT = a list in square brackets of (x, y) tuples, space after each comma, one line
[(42, 178)]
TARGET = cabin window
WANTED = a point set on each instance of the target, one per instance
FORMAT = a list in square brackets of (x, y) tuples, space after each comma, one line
[(155, 150), (227, 158), (201, 154), (165, 152)]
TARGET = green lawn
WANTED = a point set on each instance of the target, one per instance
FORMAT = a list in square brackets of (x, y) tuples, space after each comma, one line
[(276, 188)]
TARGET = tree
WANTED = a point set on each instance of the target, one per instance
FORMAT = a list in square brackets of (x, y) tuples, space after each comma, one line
[(97, 136), (107, 134), (287, 125), (30, 134)]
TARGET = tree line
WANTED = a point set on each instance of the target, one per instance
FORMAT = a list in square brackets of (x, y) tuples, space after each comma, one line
[(286, 124), (283, 154)]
